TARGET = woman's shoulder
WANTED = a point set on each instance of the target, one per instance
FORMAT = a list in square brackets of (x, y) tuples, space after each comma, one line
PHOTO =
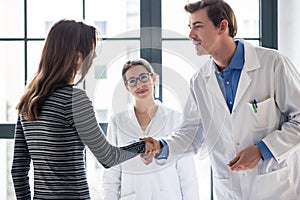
[(70, 94), (167, 109), (78, 94), (61, 94), (121, 115), (76, 90)]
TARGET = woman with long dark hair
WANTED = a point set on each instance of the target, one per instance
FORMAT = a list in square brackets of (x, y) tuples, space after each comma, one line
[(56, 120)]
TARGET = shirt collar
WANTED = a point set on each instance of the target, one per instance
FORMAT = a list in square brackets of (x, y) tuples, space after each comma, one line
[(238, 59)]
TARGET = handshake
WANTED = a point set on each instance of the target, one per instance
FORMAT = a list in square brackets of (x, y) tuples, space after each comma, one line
[(153, 148)]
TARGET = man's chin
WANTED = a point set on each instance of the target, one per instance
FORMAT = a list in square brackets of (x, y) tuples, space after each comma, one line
[(201, 51)]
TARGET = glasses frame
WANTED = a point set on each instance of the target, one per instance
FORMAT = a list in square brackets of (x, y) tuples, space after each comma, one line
[(149, 74)]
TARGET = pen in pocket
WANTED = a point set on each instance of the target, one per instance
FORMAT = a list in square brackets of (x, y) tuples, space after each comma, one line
[(254, 105)]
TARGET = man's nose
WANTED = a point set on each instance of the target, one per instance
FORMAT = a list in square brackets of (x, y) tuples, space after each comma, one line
[(191, 35)]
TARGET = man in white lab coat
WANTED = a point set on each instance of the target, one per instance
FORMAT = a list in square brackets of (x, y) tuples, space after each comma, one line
[(247, 101)]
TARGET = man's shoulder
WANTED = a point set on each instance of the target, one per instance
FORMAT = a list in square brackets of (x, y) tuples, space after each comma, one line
[(265, 52), (204, 70)]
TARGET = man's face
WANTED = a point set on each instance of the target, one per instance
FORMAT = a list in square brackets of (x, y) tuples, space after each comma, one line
[(203, 32)]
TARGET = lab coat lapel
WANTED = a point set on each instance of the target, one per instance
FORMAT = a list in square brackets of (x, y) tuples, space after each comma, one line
[(129, 124), (213, 85), (158, 122), (251, 63), (244, 83)]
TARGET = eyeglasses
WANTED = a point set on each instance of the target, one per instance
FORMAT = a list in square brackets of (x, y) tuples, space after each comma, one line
[(144, 78)]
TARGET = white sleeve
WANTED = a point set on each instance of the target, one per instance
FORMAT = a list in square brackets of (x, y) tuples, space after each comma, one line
[(188, 136), (285, 141), (111, 182), (188, 178)]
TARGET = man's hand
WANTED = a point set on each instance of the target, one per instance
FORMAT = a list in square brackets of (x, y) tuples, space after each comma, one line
[(246, 159), (152, 148), (147, 158)]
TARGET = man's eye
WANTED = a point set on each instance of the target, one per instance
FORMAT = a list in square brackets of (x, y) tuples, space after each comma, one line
[(196, 26), (199, 26)]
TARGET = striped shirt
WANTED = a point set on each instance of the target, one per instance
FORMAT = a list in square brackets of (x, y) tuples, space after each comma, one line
[(55, 143)]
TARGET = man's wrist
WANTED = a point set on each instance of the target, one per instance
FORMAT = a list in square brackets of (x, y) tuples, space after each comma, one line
[(164, 150), (266, 154)]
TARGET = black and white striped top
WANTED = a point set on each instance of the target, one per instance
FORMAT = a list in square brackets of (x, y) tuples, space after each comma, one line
[(55, 143)]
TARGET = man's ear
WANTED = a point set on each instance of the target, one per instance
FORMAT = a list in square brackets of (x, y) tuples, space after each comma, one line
[(223, 26)]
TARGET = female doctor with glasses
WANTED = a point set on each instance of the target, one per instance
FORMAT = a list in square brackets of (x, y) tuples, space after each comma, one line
[(147, 117)]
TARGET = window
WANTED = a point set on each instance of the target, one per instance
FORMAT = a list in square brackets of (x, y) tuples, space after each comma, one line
[(101, 25), (288, 40)]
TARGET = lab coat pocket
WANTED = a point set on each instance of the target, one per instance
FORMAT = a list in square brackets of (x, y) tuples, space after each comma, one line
[(266, 116), (222, 188), (274, 185)]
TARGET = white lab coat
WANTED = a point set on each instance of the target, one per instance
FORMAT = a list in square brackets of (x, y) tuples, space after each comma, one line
[(133, 180), (272, 80)]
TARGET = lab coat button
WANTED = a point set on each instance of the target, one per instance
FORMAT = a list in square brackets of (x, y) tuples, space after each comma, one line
[(237, 144)]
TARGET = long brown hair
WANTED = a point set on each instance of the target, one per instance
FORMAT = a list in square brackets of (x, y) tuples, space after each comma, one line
[(66, 42)]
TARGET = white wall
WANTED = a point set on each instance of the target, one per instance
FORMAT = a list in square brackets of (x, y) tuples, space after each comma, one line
[(288, 29)]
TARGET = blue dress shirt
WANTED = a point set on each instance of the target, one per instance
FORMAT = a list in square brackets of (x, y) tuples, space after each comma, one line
[(229, 79)]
